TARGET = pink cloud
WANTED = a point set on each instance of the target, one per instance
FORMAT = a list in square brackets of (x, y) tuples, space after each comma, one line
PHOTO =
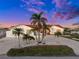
[(34, 10), (57, 15), (60, 3), (65, 5), (39, 3)]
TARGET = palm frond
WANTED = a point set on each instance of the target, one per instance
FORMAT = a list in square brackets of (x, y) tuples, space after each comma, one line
[(40, 14), (43, 19), (33, 22), (17, 31)]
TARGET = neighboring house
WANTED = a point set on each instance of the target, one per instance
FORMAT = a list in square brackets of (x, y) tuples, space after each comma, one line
[(56, 28), (2, 33), (73, 32), (25, 29), (76, 30)]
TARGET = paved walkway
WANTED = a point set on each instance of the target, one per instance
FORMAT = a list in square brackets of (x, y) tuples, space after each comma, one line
[(8, 43)]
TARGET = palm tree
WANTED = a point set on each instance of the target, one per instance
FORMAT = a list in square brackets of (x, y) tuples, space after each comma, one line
[(25, 37), (45, 29), (34, 30), (18, 32), (37, 22), (28, 37)]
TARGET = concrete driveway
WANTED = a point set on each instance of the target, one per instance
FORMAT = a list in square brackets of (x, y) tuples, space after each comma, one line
[(52, 40), (8, 43)]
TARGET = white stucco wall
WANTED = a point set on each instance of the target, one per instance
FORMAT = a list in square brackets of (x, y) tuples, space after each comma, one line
[(54, 29), (25, 30)]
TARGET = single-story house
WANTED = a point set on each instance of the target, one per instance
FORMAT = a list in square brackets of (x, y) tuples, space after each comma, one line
[(3, 32), (76, 30), (25, 29), (56, 28)]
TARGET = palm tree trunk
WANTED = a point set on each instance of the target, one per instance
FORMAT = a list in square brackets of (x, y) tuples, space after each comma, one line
[(36, 37), (43, 35), (19, 42), (39, 37)]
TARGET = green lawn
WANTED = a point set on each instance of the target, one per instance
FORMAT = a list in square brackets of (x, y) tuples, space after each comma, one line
[(42, 50)]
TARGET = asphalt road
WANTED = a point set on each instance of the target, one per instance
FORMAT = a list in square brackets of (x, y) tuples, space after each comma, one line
[(6, 57)]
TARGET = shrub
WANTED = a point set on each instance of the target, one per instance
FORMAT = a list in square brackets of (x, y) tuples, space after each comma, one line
[(58, 34), (75, 35), (45, 50)]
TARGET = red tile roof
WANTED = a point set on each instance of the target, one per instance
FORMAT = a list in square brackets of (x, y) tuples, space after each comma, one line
[(59, 26), (33, 26)]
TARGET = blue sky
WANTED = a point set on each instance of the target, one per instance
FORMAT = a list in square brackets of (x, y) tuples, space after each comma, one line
[(63, 12)]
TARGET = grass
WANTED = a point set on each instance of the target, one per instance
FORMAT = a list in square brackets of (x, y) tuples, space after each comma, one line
[(42, 50)]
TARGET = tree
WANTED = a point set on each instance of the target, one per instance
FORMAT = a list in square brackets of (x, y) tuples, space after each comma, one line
[(18, 32), (34, 30), (37, 21), (28, 37), (44, 32), (66, 31), (58, 34)]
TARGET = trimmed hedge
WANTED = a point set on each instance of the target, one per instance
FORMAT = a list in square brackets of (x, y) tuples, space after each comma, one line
[(42, 50)]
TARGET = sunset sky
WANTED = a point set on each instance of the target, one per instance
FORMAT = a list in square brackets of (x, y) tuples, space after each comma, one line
[(63, 12)]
